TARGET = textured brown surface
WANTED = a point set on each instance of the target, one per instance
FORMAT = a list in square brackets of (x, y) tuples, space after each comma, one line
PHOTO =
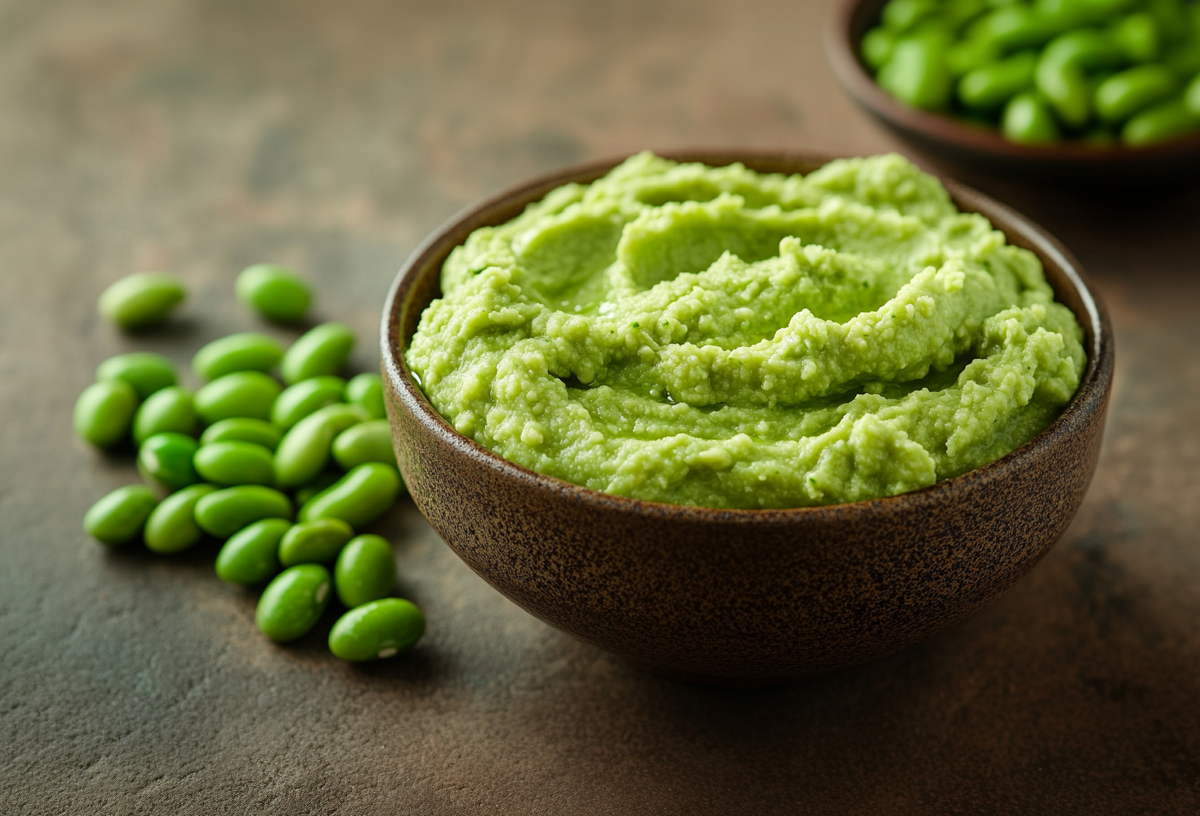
[(201, 136), (750, 597)]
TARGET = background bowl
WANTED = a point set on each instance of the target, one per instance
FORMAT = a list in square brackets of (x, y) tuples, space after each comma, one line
[(943, 137), (743, 596)]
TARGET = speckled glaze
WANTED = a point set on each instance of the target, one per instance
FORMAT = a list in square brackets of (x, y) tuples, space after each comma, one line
[(743, 596)]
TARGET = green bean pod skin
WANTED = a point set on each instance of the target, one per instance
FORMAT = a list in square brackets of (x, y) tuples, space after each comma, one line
[(145, 371), (365, 571), (141, 300), (235, 463), (293, 602), (305, 398), (118, 517), (305, 449), (104, 412), (243, 429), (366, 442), (251, 555), (314, 542), (366, 391), (247, 351), (165, 461), (241, 394), (275, 292), (172, 527), (224, 512), (322, 350), (170, 410), (377, 630), (358, 498)]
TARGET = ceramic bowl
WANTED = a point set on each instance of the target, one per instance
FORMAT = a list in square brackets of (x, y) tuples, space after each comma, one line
[(743, 596), (943, 137)]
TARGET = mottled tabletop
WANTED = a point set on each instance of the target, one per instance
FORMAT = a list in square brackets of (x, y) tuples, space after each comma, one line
[(201, 136)]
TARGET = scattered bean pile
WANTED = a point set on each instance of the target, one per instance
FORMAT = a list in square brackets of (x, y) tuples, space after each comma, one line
[(1102, 71), (317, 437)]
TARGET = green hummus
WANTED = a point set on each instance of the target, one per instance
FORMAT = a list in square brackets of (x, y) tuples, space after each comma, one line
[(718, 337)]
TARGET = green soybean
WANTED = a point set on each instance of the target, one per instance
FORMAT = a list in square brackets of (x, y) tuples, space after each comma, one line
[(242, 394), (145, 371), (1010, 27), (236, 463), (1136, 37), (171, 410), (967, 55), (877, 47), (312, 488), (141, 300), (165, 461), (377, 630), (275, 292), (251, 554), (901, 15), (358, 498), (365, 571), (1191, 96), (993, 85), (118, 517), (305, 449), (312, 542), (104, 412), (1028, 120), (917, 74), (243, 429), (321, 350), (224, 512), (1124, 94), (366, 391), (1087, 48), (172, 527), (369, 441), (247, 351), (293, 602), (1162, 122), (304, 398), (1064, 84)]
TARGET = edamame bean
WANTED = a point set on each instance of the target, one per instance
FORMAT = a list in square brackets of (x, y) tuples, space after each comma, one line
[(901, 15), (172, 527), (236, 463), (313, 542), (241, 394), (917, 74), (104, 412), (358, 498), (310, 489), (252, 553), (1087, 48), (171, 410), (366, 391), (365, 571), (304, 450), (275, 292), (321, 350), (224, 512), (305, 397), (247, 351), (243, 429), (1160, 123), (1011, 27), (145, 371), (377, 630), (1066, 87), (1124, 94), (141, 300), (165, 461), (1136, 37), (119, 517), (877, 47), (1191, 96), (293, 602), (993, 85), (1028, 120), (369, 441), (967, 55)]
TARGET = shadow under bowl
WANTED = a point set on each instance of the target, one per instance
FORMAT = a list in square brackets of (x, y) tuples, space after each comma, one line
[(944, 138), (743, 596)]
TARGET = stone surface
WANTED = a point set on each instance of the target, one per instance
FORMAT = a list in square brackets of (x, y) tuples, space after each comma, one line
[(200, 137)]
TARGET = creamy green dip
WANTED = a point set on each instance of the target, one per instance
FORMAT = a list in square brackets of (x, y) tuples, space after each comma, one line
[(719, 337)]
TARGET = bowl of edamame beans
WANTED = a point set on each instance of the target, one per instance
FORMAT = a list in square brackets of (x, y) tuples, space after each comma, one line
[(741, 596), (1106, 91)]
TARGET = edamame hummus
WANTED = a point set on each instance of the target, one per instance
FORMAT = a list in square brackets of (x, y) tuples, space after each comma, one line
[(723, 338)]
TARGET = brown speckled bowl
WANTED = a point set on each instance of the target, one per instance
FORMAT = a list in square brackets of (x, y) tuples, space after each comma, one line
[(743, 596)]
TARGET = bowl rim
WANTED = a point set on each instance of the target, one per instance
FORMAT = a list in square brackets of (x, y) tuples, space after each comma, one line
[(1091, 394), (846, 61)]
